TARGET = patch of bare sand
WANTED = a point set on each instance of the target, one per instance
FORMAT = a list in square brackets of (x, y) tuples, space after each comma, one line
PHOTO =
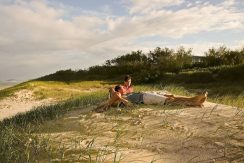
[(20, 102), (151, 133), (3, 87), (6, 85)]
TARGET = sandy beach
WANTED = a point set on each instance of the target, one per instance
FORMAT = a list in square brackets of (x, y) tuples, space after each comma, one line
[(153, 134), (4, 85), (21, 101), (158, 133)]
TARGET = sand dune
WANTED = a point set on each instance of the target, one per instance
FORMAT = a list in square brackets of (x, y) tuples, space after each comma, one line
[(4, 85), (20, 102), (152, 134), (169, 134)]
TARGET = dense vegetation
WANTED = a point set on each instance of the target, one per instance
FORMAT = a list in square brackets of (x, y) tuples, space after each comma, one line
[(164, 63)]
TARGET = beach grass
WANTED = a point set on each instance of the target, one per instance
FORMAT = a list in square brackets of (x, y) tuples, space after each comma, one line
[(56, 90), (220, 92), (19, 141)]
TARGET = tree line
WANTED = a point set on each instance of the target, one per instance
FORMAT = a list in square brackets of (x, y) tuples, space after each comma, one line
[(153, 65)]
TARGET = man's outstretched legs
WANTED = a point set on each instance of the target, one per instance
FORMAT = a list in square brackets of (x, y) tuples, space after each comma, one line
[(191, 101)]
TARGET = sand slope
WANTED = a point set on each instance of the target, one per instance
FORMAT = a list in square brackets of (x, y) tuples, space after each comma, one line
[(22, 101), (145, 133), (151, 134)]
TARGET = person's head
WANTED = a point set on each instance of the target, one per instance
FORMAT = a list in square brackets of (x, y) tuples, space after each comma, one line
[(117, 88), (127, 80)]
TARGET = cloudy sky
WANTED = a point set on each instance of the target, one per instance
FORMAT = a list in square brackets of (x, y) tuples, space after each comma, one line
[(38, 37)]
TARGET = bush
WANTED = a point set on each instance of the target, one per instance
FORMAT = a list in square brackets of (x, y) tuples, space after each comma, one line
[(235, 73), (195, 77)]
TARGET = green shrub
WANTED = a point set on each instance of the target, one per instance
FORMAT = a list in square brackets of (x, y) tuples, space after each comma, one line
[(195, 77), (235, 73)]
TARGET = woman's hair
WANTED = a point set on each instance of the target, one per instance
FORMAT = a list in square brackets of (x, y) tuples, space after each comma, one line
[(127, 77), (117, 88)]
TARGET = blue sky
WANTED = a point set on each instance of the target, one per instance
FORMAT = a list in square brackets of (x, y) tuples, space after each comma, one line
[(38, 37)]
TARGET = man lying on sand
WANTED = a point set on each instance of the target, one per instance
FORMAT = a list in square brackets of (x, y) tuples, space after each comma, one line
[(149, 98)]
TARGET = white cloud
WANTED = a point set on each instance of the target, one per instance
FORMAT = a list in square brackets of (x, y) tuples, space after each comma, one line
[(40, 37), (201, 47), (228, 3), (41, 27), (146, 6), (189, 21)]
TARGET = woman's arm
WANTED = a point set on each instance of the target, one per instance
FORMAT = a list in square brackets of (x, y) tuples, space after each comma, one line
[(111, 90), (124, 100), (130, 90), (116, 97)]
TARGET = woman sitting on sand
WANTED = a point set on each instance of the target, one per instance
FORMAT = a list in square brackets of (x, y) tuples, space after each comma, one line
[(150, 98), (126, 87)]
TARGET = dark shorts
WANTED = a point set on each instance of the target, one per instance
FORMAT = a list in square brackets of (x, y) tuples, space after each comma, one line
[(136, 98)]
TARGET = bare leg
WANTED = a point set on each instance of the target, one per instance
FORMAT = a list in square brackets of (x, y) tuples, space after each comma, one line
[(169, 95), (192, 101)]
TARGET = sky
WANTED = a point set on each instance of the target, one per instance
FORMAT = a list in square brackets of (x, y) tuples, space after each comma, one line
[(39, 37)]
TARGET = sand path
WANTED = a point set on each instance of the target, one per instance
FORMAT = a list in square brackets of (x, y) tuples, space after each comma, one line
[(20, 102)]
